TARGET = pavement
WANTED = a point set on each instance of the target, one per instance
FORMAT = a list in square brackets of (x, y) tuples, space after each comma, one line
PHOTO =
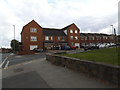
[(42, 74)]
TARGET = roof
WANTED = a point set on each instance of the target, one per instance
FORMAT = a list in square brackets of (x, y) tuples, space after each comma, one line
[(53, 32), (94, 34), (29, 23), (67, 26)]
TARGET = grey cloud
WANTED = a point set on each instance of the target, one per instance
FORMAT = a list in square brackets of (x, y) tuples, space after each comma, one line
[(95, 24)]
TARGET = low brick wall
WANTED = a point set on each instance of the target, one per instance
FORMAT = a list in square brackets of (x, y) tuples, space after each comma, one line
[(25, 52), (101, 71)]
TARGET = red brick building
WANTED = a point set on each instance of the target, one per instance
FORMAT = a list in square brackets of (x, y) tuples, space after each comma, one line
[(96, 38), (35, 36)]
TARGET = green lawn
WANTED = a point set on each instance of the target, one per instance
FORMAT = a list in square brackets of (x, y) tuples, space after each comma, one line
[(108, 55)]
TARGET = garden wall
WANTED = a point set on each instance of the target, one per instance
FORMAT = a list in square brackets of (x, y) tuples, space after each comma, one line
[(101, 71)]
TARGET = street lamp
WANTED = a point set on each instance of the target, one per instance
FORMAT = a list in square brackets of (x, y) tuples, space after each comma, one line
[(14, 38), (112, 28)]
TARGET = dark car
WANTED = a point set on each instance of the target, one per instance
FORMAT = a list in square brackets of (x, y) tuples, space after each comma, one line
[(38, 50), (65, 48), (56, 48)]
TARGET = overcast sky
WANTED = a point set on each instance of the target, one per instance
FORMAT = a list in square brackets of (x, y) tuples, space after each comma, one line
[(93, 16)]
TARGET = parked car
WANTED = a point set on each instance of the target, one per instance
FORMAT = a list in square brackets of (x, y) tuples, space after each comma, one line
[(102, 45), (93, 46), (72, 47), (38, 50), (107, 45), (56, 48), (65, 48), (86, 47)]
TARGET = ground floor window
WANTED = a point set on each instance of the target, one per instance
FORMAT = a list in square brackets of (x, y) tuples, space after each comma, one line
[(32, 47), (77, 44)]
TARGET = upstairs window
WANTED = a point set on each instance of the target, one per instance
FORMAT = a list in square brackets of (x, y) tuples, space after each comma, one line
[(33, 38), (34, 30), (71, 31), (93, 38), (89, 38), (76, 31), (71, 37), (76, 38), (82, 38), (59, 38), (85, 38), (97, 38), (46, 38)]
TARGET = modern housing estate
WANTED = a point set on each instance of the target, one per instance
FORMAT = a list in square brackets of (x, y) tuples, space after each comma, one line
[(35, 36)]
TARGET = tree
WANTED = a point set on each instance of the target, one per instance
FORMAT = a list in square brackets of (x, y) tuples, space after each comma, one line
[(14, 45)]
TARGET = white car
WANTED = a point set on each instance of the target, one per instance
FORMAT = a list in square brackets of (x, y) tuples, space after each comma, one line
[(102, 46), (107, 45)]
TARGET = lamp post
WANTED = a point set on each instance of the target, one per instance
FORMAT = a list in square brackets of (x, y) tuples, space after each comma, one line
[(14, 38), (112, 28)]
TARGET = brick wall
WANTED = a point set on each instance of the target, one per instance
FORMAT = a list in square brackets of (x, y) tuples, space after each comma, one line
[(106, 72)]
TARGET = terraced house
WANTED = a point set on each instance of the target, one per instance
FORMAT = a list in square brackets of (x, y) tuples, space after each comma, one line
[(35, 36), (96, 38)]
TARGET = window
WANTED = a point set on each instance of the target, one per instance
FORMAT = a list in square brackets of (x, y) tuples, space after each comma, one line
[(85, 38), (100, 38), (59, 38), (71, 37), (71, 31), (82, 38), (46, 38), (75, 31), (33, 38), (62, 38), (106, 37), (97, 38), (93, 38), (33, 30), (76, 38), (72, 44), (89, 38), (51, 37), (32, 47)]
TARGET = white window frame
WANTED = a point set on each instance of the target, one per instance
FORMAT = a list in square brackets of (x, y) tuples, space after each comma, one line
[(32, 47), (76, 31), (58, 38), (33, 30), (71, 37), (51, 37), (82, 38), (76, 38), (85, 38), (46, 37), (33, 38), (71, 31)]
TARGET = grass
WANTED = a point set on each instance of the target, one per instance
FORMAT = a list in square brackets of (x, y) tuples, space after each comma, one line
[(108, 56)]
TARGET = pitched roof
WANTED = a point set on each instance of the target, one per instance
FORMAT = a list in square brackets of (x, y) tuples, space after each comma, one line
[(29, 23), (53, 32), (67, 26)]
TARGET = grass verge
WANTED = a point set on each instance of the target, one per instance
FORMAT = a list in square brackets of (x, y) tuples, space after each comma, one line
[(107, 55)]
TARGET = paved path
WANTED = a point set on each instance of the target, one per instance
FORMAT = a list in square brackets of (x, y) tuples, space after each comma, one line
[(42, 74)]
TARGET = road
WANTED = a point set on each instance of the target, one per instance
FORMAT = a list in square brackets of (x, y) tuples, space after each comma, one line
[(17, 59), (9, 59)]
